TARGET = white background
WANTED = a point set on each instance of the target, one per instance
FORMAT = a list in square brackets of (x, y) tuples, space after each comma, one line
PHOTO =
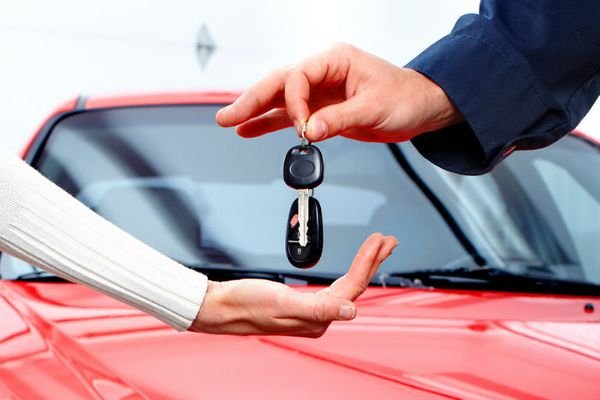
[(51, 51)]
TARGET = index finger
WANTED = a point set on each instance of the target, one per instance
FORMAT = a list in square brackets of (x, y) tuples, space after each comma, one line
[(263, 96)]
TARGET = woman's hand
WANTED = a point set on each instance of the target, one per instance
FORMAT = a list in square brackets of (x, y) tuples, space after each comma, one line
[(261, 307)]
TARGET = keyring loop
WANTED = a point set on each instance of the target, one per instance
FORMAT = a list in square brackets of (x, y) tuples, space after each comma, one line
[(303, 134)]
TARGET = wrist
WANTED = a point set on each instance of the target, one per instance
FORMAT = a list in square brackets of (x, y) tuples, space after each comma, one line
[(442, 112), (446, 113), (208, 316)]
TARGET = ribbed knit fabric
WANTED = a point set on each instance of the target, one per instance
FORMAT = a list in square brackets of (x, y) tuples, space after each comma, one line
[(45, 226)]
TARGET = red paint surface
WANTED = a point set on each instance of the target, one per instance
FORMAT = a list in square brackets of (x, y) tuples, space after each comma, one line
[(162, 99), (64, 340), (586, 136)]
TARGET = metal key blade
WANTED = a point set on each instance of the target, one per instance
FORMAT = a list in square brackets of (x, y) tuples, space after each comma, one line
[(303, 196)]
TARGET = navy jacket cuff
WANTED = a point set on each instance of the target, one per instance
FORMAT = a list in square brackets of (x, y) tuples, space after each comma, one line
[(496, 91)]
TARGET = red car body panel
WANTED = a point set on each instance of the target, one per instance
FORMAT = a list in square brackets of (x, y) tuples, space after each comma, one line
[(162, 99), (66, 340), (62, 341)]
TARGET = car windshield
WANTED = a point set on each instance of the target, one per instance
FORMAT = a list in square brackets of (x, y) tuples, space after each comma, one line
[(536, 213), (204, 196)]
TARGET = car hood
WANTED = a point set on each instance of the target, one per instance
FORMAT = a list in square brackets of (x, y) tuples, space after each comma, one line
[(61, 340)]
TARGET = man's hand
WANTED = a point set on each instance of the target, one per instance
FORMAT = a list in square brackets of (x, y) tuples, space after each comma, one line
[(345, 91), (254, 306)]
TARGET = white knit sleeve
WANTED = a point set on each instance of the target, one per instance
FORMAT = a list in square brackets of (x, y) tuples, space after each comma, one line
[(45, 226)]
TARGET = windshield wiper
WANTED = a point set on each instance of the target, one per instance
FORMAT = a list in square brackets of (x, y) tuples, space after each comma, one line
[(489, 278), (226, 272), (221, 272), (40, 276)]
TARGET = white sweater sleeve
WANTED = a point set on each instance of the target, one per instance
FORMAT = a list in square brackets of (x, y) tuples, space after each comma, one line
[(45, 226)]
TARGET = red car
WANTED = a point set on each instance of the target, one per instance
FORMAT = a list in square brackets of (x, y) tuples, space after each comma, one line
[(492, 293)]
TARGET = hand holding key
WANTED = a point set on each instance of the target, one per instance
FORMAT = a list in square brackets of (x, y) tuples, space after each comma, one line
[(345, 91)]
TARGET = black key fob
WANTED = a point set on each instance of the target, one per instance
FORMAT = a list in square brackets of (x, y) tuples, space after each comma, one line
[(305, 256), (303, 167)]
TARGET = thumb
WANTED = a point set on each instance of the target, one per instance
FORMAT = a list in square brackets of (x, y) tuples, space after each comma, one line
[(335, 119), (323, 308)]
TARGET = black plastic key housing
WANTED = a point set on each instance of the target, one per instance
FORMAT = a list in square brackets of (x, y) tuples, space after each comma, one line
[(303, 167), (309, 255)]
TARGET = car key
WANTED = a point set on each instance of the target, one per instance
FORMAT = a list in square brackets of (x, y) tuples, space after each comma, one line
[(303, 215), (305, 256), (303, 170)]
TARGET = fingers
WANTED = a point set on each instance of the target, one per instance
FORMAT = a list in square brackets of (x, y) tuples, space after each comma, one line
[(297, 93), (354, 282), (320, 309), (335, 303), (271, 121), (290, 88), (326, 70), (370, 255), (263, 96), (335, 119), (254, 306), (389, 244)]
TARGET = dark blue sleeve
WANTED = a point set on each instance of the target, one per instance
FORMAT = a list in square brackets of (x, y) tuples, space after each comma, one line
[(522, 73)]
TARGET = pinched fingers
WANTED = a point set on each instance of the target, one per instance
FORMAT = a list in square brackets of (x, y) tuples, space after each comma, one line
[(288, 87), (260, 98), (336, 119), (270, 121), (325, 70)]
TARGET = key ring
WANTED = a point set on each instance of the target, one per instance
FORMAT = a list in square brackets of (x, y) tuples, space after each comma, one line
[(303, 135)]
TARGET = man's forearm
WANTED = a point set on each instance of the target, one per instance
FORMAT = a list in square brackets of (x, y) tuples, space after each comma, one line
[(522, 73)]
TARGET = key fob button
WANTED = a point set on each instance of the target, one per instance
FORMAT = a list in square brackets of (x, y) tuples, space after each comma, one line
[(299, 254), (302, 168)]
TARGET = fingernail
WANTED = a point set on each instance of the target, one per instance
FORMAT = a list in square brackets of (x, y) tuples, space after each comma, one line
[(347, 312), (317, 129)]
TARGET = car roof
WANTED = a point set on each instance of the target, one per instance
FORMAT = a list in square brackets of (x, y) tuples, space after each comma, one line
[(200, 97), (161, 98), (166, 98), (82, 103)]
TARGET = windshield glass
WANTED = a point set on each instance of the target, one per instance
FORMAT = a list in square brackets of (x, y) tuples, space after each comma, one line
[(201, 194), (535, 213)]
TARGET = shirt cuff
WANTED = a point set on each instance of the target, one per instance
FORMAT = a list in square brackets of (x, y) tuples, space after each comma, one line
[(504, 105)]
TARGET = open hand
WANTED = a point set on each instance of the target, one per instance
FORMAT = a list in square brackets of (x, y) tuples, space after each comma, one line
[(255, 306)]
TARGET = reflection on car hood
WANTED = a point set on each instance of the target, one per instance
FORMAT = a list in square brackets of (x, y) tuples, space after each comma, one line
[(60, 340)]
